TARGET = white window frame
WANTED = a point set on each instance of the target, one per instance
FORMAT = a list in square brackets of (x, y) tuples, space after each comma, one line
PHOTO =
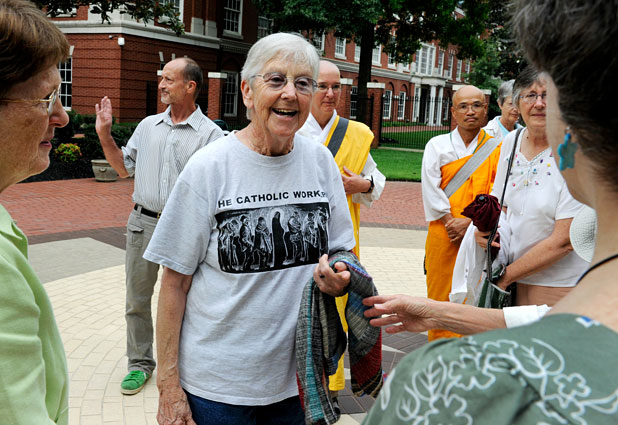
[(318, 42), (450, 66), (441, 62), (357, 52), (459, 69), (66, 86), (239, 11), (388, 103), (179, 5), (379, 54), (230, 97), (264, 26), (401, 106), (467, 67), (391, 62), (340, 44), (353, 102)]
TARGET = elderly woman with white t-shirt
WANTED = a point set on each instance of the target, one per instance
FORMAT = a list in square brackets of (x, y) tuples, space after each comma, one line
[(538, 208)]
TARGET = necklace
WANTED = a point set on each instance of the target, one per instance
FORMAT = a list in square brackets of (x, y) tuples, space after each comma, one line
[(595, 265)]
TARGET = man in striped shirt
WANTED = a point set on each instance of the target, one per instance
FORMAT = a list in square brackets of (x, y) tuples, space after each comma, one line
[(156, 154)]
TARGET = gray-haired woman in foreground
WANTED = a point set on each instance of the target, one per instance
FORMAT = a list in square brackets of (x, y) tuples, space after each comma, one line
[(226, 323), (562, 368)]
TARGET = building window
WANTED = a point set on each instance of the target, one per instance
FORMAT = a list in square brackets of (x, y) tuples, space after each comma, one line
[(468, 67), (458, 69), (353, 98), (449, 69), (377, 52), (178, 5), (440, 61), (233, 13), (391, 61), (340, 47), (357, 53), (386, 110), (66, 76), (230, 94), (401, 105), (264, 26), (318, 42)]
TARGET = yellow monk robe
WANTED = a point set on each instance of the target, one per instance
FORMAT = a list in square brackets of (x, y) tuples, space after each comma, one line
[(353, 154), (440, 253)]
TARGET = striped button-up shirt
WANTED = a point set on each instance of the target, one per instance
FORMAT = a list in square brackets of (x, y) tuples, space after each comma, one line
[(158, 151)]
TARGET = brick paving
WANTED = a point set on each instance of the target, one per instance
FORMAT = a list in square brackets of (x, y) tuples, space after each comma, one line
[(88, 293)]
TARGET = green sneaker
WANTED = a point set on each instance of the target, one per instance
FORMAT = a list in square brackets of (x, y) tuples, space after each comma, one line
[(134, 382)]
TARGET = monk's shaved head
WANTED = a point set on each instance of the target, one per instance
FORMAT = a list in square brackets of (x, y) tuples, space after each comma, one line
[(467, 92)]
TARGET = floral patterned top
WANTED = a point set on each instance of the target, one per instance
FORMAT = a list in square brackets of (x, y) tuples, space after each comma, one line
[(560, 370)]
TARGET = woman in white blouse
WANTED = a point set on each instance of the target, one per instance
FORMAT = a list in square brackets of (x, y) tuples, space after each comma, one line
[(538, 206)]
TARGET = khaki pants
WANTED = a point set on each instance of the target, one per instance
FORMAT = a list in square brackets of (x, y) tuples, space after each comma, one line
[(141, 276)]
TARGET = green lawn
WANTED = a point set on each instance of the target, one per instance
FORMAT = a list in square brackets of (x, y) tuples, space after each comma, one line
[(398, 164), (409, 139)]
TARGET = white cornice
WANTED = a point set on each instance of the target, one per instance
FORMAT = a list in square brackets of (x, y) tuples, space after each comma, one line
[(137, 29)]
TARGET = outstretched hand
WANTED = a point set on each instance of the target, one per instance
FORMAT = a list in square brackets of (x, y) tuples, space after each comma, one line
[(104, 120), (401, 313), (331, 282)]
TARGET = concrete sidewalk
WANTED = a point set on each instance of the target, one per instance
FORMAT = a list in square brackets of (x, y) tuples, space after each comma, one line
[(76, 230)]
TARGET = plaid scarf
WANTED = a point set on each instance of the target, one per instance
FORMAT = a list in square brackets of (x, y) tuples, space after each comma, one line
[(321, 341)]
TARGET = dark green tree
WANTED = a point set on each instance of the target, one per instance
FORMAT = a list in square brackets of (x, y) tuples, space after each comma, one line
[(141, 10), (399, 25)]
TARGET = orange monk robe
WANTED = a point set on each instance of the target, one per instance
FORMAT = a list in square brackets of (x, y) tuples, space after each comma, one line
[(440, 253)]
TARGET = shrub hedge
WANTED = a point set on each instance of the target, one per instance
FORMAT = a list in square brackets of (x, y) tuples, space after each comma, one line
[(80, 131)]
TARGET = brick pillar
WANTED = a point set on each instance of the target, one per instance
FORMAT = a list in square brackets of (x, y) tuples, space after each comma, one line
[(216, 81), (343, 109), (161, 107), (375, 90)]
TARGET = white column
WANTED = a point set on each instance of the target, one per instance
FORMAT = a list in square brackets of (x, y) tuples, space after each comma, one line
[(439, 101), (432, 105)]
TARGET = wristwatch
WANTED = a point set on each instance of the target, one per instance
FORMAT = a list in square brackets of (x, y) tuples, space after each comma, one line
[(371, 185)]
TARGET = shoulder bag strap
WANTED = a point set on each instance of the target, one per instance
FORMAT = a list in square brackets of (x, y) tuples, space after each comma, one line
[(471, 166), (492, 235), (335, 140)]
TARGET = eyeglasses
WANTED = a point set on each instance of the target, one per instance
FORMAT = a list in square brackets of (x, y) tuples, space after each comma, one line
[(50, 100), (324, 87), (463, 107), (531, 98), (277, 81)]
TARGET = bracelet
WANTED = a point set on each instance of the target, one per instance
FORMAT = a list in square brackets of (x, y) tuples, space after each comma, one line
[(371, 185)]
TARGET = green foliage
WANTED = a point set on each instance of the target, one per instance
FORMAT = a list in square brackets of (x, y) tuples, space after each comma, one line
[(398, 164), (68, 152), (414, 22), (141, 10), (82, 133)]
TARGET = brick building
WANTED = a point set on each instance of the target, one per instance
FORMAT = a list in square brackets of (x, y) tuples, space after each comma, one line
[(122, 60)]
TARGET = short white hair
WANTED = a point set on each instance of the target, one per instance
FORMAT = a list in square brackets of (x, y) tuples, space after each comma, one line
[(287, 46)]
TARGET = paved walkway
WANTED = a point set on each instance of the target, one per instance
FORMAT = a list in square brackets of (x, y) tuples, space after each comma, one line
[(76, 232)]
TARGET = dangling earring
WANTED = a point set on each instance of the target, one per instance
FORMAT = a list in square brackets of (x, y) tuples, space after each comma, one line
[(566, 151)]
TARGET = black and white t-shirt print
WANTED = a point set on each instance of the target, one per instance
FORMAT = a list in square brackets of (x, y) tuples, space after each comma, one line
[(272, 238)]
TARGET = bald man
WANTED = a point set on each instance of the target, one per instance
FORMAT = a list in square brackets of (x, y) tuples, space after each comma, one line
[(446, 193), (349, 141)]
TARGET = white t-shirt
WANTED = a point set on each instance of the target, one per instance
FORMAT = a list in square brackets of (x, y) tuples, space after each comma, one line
[(249, 228), (536, 197), (495, 128), (439, 151)]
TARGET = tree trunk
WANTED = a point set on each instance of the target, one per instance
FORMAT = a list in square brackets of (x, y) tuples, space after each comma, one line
[(364, 72)]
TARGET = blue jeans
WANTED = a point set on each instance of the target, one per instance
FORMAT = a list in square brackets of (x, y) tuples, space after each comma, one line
[(207, 412)]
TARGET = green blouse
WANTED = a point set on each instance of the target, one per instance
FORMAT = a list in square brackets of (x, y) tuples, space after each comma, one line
[(560, 370)]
